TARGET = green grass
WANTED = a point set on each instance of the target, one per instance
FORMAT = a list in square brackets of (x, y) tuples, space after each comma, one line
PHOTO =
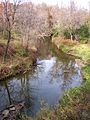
[(66, 48), (83, 50)]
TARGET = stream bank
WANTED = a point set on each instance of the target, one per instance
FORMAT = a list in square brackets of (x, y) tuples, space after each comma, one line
[(19, 60), (43, 85), (75, 103), (60, 72), (17, 67)]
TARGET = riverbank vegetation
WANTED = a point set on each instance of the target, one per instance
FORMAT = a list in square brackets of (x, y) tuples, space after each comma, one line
[(19, 59), (75, 102), (24, 26)]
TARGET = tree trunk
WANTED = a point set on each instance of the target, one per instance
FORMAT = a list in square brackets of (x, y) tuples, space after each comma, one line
[(71, 36), (7, 46), (27, 41), (8, 93)]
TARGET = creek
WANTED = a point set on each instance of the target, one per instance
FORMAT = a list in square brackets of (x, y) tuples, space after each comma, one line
[(44, 84)]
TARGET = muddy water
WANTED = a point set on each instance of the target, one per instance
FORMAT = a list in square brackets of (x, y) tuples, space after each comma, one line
[(44, 84)]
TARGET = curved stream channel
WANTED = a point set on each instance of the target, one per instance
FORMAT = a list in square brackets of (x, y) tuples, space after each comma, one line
[(45, 83)]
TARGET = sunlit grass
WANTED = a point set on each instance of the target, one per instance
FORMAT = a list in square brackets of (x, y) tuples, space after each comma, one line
[(83, 50)]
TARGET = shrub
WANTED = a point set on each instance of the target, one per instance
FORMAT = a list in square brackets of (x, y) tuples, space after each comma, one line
[(83, 32)]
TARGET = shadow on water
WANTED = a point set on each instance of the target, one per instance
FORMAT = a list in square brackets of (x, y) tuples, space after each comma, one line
[(55, 72)]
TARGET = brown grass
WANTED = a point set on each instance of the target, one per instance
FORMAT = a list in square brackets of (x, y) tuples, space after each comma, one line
[(60, 40)]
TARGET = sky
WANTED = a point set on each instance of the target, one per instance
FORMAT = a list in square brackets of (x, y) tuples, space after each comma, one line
[(79, 3)]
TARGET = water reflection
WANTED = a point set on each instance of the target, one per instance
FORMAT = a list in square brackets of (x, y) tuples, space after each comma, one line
[(47, 81)]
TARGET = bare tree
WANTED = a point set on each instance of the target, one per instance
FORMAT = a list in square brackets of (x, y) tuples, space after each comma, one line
[(68, 18), (9, 11), (26, 21), (50, 21)]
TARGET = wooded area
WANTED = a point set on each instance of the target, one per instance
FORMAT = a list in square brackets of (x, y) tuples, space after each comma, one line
[(28, 22), (25, 28)]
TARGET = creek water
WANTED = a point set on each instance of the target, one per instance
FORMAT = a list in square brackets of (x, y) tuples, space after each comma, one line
[(45, 84)]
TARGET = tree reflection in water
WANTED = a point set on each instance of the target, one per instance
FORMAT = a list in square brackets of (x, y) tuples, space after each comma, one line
[(55, 73), (15, 91)]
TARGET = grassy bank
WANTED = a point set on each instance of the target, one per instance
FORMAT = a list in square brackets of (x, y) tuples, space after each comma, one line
[(19, 59), (15, 67)]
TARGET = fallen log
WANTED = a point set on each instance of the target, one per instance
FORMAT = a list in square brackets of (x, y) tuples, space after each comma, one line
[(11, 112)]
